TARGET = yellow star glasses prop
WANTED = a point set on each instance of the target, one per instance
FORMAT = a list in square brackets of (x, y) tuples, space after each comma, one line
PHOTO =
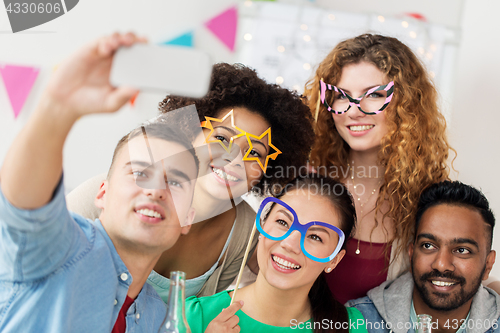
[(208, 125)]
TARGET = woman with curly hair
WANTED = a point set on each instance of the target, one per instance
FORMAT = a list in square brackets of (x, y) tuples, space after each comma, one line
[(259, 125), (379, 131)]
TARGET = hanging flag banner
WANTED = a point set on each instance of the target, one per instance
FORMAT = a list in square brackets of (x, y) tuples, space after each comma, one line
[(18, 81), (223, 26), (417, 16), (132, 100), (182, 40)]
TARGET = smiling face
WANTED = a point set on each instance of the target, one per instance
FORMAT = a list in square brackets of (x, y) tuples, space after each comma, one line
[(147, 207), (450, 257), (225, 170), (282, 263), (362, 132)]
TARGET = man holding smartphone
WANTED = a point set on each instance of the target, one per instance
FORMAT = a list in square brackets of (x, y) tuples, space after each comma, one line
[(60, 272)]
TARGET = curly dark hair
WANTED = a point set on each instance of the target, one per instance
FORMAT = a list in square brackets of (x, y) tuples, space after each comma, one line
[(290, 119)]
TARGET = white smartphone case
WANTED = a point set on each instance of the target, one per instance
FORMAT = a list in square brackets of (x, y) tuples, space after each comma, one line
[(169, 69)]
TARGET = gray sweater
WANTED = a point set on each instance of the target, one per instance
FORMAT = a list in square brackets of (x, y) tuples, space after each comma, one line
[(391, 303)]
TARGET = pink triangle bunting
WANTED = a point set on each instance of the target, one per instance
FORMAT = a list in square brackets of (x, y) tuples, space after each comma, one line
[(224, 27), (18, 81)]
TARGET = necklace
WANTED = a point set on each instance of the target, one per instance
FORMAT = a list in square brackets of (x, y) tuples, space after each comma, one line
[(361, 204), (365, 176), (363, 172)]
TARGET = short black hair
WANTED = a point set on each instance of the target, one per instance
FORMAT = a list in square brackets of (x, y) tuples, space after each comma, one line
[(290, 119), (456, 193)]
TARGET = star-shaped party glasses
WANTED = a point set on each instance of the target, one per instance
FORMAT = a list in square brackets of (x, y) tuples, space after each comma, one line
[(208, 124)]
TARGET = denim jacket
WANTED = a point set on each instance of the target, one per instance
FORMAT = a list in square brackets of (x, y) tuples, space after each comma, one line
[(387, 308), (61, 273)]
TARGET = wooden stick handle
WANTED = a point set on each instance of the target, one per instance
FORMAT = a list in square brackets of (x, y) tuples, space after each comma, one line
[(244, 262)]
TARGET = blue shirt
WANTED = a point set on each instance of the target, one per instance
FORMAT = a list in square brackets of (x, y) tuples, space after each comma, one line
[(60, 272)]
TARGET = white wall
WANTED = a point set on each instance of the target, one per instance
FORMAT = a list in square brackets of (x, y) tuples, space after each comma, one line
[(473, 128), (476, 114)]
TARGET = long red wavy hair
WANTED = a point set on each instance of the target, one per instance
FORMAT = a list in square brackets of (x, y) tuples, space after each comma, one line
[(415, 150)]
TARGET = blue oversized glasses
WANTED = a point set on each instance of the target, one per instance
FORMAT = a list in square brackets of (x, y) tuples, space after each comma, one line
[(319, 241)]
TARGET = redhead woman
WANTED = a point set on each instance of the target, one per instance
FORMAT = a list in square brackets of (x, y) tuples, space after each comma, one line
[(379, 131)]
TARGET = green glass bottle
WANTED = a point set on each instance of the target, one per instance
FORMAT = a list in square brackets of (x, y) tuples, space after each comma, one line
[(424, 322), (175, 321)]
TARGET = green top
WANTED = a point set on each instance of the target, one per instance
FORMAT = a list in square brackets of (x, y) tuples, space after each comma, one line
[(201, 311)]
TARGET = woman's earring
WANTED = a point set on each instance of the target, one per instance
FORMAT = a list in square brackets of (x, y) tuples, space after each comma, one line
[(328, 270), (260, 236)]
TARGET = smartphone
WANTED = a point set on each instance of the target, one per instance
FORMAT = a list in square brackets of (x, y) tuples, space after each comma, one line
[(168, 69)]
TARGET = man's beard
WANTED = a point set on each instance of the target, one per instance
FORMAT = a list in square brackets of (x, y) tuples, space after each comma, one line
[(445, 301)]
